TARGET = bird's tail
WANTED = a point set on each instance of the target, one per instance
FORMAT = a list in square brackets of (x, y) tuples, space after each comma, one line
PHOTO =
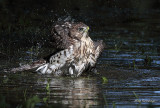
[(43, 69), (25, 67)]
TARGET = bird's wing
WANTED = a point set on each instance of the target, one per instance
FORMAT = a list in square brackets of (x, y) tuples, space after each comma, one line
[(60, 36), (99, 46), (92, 58), (57, 61), (25, 67)]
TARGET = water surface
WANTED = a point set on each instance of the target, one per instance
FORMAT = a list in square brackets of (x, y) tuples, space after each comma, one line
[(130, 62)]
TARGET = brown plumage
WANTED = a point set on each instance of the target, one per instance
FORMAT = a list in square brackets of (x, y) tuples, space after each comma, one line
[(65, 34), (77, 52)]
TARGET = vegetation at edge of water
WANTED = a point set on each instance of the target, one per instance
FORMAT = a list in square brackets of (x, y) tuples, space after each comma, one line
[(29, 103), (147, 61), (47, 98), (105, 80), (137, 97), (3, 103)]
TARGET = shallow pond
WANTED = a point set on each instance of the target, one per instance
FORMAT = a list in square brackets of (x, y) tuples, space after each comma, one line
[(129, 72)]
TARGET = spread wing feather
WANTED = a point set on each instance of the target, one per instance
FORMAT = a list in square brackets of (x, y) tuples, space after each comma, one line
[(60, 36), (57, 61)]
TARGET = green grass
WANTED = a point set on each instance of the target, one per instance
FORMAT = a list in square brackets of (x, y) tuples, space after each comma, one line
[(105, 80), (47, 98), (137, 97)]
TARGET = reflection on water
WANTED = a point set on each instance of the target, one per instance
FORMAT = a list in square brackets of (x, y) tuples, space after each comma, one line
[(70, 92), (81, 92), (85, 91)]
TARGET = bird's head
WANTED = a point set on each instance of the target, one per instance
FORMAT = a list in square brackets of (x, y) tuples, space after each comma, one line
[(64, 34), (79, 30)]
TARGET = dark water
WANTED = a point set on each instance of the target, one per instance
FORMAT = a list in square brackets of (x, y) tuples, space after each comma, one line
[(130, 62)]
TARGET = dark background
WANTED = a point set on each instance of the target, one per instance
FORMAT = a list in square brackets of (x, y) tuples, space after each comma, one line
[(26, 22)]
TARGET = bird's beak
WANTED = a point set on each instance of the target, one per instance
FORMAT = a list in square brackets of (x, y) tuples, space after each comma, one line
[(87, 29)]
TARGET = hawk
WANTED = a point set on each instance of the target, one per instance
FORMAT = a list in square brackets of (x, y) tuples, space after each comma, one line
[(76, 51)]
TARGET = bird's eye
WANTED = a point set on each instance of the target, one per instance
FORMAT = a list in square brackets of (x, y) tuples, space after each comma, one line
[(80, 29)]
